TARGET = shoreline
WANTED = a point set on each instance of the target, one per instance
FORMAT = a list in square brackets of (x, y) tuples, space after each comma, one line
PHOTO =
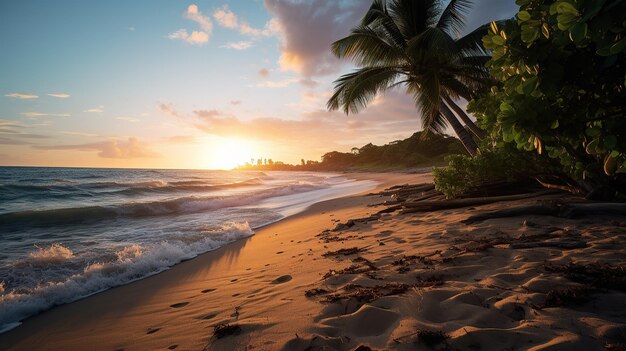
[(34, 325), (344, 275)]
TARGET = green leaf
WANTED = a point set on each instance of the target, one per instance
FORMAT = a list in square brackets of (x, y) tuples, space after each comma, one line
[(578, 32), (529, 85), (529, 34), (555, 124), (523, 16), (498, 40), (506, 107), (619, 46), (566, 7)]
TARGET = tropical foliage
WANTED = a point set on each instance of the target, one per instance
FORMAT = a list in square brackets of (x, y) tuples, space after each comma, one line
[(412, 44), (560, 65)]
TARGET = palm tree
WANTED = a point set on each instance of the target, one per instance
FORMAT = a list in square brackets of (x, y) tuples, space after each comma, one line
[(410, 43)]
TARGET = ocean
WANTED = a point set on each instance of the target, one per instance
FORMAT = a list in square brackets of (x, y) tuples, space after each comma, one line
[(67, 233)]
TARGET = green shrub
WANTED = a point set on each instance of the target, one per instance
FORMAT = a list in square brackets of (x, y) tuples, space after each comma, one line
[(505, 164)]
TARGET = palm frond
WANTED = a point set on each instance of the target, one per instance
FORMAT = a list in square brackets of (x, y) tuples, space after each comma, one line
[(452, 18), (432, 46), (366, 48), (379, 17), (353, 91), (412, 17)]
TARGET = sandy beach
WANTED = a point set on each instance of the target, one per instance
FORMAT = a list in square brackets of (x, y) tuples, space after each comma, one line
[(316, 281)]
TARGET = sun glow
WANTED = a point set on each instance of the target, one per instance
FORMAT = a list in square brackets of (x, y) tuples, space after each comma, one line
[(229, 153)]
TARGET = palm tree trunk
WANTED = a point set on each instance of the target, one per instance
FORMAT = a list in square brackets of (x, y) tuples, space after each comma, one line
[(480, 134), (461, 132)]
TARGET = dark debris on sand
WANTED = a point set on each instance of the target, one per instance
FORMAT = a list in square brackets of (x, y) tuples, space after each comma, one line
[(224, 329), (566, 297), (367, 294), (601, 276), (344, 252)]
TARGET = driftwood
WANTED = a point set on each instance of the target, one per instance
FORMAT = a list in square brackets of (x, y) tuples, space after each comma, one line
[(426, 206), (570, 210)]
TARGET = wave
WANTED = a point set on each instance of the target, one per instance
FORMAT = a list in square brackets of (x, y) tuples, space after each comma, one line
[(121, 188), (54, 253), (130, 263), (181, 205)]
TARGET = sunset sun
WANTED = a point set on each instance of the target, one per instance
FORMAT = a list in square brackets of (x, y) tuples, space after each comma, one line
[(229, 153)]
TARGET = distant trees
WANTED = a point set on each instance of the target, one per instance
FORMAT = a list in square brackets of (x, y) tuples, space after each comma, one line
[(417, 150)]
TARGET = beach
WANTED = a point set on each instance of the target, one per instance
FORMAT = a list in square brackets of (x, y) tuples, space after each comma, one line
[(319, 281)]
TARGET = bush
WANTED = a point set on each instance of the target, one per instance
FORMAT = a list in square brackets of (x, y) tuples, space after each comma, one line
[(465, 173), (561, 91)]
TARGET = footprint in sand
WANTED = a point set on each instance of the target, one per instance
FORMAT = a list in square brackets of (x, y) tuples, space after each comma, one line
[(210, 316), (172, 347), (179, 305), (153, 330), (279, 252), (207, 291), (282, 279)]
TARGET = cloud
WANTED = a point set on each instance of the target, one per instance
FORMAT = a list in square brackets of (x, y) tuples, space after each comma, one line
[(228, 19), (42, 114), (308, 28), (82, 134), (278, 83), (225, 17), (203, 21), (60, 96), (129, 119), (392, 117), (168, 110), (130, 148), (16, 133), (131, 29), (98, 109), (264, 73), (238, 45), (181, 139), (22, 96), (235, 102), (195, 37)]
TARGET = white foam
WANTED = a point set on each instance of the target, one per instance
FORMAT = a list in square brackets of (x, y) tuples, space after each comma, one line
[(133, 262), (54, 253)]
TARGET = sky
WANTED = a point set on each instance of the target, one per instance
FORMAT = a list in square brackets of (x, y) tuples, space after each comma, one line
[(184, 84)]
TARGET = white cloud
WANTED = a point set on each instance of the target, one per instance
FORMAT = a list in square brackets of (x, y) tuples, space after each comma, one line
[(238, 45), (22, 96), (228, 19), (195, 15), (98, 109), (195, 37), (225, 17), (60, 96), (129, 119), (42, 114)]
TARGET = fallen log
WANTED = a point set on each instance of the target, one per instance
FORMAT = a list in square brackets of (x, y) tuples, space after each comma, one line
[(426, 206), (570, 210), (543, 210)]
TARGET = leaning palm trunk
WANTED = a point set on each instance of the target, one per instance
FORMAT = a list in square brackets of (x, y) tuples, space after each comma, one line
[(480, 134), (461, 132)]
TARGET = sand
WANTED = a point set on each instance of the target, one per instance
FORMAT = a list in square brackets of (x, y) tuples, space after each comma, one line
[(400, 282)]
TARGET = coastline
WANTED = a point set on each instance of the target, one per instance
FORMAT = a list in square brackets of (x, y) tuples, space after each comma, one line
[(38, 332), (392, 281)]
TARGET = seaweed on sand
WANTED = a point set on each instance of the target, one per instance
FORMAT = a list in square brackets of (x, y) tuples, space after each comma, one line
[(344, 252), (367, 294), (567, 296), (225, 329), (431, 338), (601, 276)]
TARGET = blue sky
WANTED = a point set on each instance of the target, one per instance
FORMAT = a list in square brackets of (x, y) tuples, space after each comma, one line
[(173, 83)]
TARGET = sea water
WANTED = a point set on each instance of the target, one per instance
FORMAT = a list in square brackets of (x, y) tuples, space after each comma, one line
[(67, 233)]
